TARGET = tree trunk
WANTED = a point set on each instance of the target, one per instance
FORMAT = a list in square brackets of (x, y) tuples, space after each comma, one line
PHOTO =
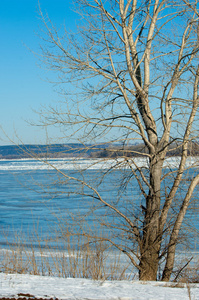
[(151, 238), (149, 264), (150, 248)]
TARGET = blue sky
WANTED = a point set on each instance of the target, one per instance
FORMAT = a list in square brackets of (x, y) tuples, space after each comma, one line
[(23, 84)]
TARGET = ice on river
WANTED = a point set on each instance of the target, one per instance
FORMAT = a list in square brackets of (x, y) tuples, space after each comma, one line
[(91, 164)]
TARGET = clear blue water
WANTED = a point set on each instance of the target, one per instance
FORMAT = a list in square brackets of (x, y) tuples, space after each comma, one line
[(37, 200)]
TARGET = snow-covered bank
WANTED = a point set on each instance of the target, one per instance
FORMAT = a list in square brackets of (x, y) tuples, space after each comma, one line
[(11, 285)]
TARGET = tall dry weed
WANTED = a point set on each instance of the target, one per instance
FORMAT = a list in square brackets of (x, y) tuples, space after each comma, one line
[(88, 259)]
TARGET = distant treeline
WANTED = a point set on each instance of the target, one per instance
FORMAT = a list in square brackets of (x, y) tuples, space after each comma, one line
[(48, 151), (87, 151), (140, 149)]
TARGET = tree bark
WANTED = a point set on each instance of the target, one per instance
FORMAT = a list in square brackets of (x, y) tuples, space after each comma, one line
[(151, 240)]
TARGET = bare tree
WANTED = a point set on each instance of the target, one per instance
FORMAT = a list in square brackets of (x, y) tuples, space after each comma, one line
[(134, 65)]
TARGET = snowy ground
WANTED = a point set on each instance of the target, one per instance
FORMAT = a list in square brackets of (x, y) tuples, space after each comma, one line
[(13, 285)]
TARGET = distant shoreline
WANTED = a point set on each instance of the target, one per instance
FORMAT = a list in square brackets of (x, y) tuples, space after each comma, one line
[(76, 151)]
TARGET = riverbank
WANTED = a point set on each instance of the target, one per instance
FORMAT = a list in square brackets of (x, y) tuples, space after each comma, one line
[(32, 286)]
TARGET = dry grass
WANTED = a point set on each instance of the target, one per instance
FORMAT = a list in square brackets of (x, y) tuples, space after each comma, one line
[(87, 259), (93, 259)]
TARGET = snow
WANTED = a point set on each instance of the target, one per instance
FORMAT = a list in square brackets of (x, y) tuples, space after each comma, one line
[(11, 285)]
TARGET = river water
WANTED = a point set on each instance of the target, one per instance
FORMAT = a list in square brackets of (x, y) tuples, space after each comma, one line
[(35, 199)]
